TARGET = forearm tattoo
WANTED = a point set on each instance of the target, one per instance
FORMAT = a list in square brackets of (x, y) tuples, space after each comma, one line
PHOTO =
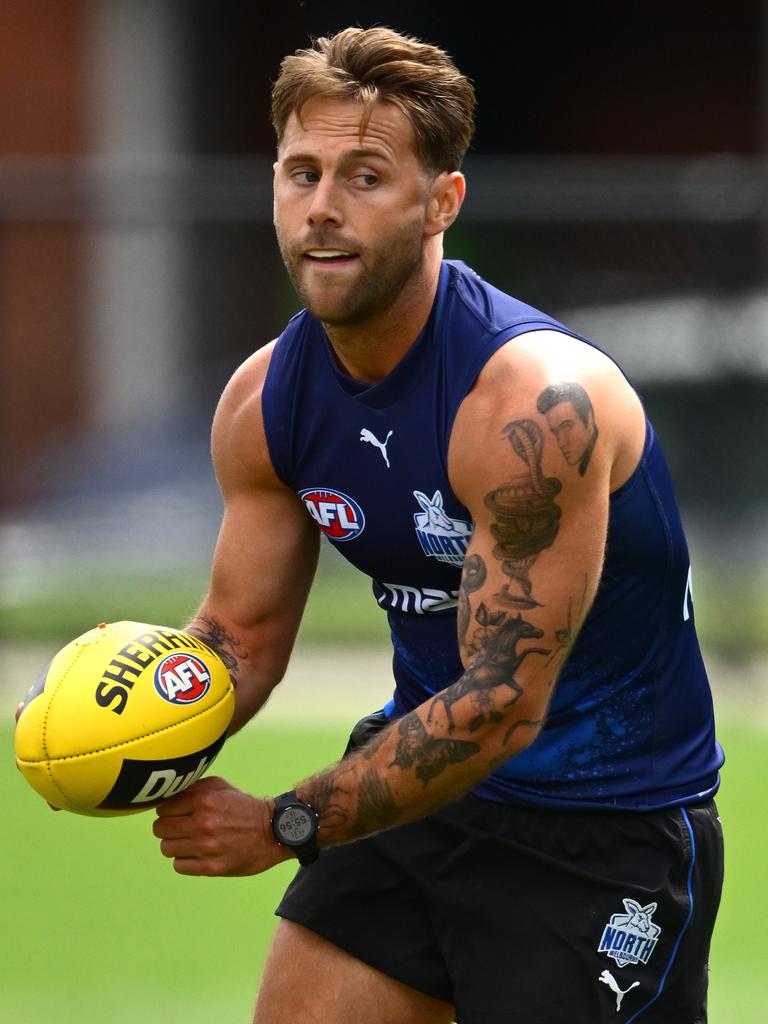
[(428, 755), (376, 809), (330, 793), (497, 659), (361, 795), (227, 646)]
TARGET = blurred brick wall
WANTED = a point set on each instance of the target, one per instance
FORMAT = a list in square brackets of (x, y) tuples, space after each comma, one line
[(41, 114)]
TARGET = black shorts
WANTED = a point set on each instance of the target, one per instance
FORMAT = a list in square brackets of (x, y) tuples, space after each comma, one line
[(528, 916)]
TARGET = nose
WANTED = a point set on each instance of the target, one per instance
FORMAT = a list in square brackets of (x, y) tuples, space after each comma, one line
[(325, 207)]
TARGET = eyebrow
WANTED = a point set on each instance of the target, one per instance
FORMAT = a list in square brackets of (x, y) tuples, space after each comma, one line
[(353, 154)]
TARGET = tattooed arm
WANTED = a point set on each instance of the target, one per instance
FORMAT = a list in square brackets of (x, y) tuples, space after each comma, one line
[(261, 573)]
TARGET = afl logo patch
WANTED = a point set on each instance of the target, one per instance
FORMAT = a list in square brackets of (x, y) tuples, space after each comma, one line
[(182, 679), (337, 515)]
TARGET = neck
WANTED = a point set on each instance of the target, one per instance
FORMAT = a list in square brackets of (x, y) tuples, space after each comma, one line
[(369, 351)]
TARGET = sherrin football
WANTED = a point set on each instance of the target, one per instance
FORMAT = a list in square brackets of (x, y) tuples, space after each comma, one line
[(123, 717)]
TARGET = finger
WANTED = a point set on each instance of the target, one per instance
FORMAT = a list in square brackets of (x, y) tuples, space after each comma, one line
[(212, 782), (173, 848), (186, 802), (176, 806), (171, 828), (194, 866), (19, 709)]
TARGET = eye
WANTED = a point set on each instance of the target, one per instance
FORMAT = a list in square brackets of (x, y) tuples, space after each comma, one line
[(366, 180), (305, 177)]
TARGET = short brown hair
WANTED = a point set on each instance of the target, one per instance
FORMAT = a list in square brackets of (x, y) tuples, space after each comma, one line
[(373, 64)]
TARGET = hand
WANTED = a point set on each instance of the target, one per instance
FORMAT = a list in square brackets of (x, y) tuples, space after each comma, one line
[(214, 829)]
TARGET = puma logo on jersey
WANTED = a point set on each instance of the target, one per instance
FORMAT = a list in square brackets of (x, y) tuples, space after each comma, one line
[(370, 438), (687, 597), (608, 979)]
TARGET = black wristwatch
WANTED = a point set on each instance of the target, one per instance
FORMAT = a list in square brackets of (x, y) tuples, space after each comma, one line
[(295, 825)]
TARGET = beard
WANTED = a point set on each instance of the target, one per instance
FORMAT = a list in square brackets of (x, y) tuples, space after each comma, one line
[(386, 270)]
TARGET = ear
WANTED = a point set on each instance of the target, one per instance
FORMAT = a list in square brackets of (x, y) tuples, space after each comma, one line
[(446, 195), (437, 499), (422, 499)]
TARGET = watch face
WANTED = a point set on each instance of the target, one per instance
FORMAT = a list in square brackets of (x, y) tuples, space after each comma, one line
[(295, 825)]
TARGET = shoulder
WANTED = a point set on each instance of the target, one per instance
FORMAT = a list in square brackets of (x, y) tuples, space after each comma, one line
[(573, 395), (238, 441)]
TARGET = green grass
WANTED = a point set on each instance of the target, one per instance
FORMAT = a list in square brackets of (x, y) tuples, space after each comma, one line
[(732, 613), (737, 965), (97, 927)]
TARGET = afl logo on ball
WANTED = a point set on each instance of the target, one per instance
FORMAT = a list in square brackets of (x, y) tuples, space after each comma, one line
[(337, 515), (182, 679)]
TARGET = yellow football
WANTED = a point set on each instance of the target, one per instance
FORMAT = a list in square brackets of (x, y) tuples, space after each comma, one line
[(123, 717)]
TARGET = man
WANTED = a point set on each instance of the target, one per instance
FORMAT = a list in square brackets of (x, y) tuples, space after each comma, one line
[(492, 847)]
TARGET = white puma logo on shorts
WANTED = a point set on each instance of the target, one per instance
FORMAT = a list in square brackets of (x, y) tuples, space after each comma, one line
[(608, 979)]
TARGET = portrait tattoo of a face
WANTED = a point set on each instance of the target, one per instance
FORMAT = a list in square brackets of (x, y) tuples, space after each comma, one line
[(571, 419)]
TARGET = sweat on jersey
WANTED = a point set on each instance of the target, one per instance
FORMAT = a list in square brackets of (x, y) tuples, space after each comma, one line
[(630, 724)]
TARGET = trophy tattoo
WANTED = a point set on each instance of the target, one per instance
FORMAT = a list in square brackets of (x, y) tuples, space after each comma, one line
[(527, 517)]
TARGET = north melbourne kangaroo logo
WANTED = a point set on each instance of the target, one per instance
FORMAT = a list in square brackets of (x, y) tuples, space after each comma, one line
[(440, 536), (608, 979), (630, 938), (367, 436)]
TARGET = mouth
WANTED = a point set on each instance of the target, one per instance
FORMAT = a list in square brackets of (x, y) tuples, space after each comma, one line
[(329, 257)]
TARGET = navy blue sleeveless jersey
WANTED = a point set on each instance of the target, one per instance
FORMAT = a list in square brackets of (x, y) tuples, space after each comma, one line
[(630, 724)]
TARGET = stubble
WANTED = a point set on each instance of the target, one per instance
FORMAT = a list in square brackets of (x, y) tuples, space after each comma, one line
[(387, 270)]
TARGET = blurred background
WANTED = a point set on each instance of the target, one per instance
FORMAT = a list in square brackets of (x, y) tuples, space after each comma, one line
[(618, 180)]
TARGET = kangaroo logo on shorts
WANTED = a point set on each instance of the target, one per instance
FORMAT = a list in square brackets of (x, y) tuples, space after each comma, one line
[(630, 938), (440, 536), (338, 516)]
